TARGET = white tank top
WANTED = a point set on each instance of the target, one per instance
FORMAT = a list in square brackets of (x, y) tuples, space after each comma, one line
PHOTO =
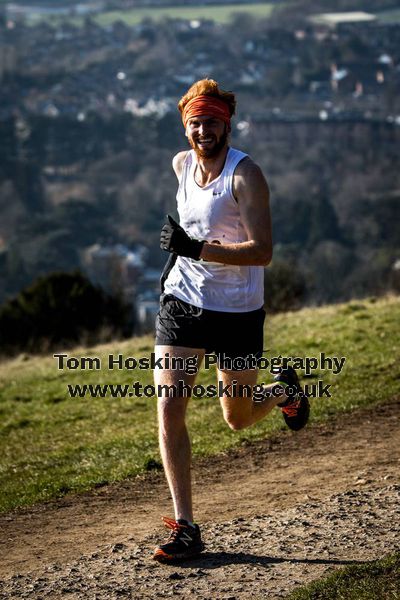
[(211, 213)]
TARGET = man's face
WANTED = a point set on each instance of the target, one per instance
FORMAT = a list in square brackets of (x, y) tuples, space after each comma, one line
[(207, 135)]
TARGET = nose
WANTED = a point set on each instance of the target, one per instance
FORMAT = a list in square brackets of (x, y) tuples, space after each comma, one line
[(203, 128)]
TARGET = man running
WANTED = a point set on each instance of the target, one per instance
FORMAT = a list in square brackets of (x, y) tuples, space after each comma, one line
[(213, 295)]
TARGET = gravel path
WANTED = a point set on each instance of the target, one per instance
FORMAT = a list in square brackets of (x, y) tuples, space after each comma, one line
[(289, 510)]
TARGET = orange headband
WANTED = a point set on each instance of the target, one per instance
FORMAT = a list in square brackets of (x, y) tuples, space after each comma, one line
[(206, 105)]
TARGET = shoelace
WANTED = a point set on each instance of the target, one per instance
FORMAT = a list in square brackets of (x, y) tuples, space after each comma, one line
[(174, 526)]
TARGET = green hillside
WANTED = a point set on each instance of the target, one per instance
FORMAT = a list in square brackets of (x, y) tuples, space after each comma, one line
[(51, 443), (221, 13)]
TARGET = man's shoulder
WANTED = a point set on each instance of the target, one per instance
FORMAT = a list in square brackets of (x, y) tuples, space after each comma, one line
[(247, 168), (178, 161), (248, 176)]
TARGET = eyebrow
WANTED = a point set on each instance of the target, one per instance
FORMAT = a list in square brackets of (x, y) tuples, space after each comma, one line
[(195, 120)]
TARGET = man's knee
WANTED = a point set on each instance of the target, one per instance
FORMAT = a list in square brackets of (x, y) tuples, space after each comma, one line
[(171, 414), (236, 422)]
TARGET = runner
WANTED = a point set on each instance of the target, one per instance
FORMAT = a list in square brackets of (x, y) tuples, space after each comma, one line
[(213, 296)]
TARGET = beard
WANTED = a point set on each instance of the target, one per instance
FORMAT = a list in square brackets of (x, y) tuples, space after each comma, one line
[(214, 150)]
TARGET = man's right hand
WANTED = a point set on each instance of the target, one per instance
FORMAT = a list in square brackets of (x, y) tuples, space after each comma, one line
[(174, 238)]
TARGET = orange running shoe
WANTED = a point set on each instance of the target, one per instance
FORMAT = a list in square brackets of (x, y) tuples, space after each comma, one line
[(296, 409), (183, 542)]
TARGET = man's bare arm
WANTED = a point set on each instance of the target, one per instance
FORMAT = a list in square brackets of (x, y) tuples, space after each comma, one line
[(252, 193)]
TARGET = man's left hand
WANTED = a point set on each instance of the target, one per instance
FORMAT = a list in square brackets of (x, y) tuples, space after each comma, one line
[(174, 238)]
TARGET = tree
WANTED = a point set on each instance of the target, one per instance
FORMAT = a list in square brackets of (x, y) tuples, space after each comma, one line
[(285, 286), (61, 308)]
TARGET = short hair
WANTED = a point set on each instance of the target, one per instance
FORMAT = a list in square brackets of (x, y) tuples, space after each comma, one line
[(208, 87)]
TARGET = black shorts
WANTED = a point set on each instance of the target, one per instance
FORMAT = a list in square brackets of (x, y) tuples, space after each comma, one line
[(228, 335)]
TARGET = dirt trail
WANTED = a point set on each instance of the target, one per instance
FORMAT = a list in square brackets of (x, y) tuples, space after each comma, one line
[(274, 516)]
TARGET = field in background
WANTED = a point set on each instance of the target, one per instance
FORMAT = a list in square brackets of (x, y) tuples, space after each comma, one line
[(221, 14), (218, 13), (51, 444), (389, 16)]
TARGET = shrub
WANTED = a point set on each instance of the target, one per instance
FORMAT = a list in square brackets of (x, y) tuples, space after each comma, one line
[(285, 287), (61, 307)]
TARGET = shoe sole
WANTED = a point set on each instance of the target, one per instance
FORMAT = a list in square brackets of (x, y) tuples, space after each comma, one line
[(161, 556)]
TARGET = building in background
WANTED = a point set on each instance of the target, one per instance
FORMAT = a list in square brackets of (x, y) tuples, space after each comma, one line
[(122, 271)]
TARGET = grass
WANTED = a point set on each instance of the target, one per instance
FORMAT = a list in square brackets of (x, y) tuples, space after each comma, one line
[(51, 444), (218, 13), (377, 580), (389, 16), (221, 14)]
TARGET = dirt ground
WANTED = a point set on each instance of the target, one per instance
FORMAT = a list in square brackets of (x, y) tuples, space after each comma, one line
[(274, 515)]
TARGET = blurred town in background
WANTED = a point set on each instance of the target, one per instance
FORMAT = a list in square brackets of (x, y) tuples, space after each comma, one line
[(89, 126)]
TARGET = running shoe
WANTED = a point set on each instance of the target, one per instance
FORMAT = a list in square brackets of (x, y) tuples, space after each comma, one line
[(296, 409), (184, 541)]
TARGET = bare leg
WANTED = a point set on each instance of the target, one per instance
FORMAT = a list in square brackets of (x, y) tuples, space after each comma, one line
[(242, 411), (176, 454), (173, 435)]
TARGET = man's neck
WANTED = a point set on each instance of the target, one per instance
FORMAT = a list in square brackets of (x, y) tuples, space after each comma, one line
[(209, 169)]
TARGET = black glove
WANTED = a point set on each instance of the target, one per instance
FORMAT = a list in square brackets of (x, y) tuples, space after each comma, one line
[(174, 238)]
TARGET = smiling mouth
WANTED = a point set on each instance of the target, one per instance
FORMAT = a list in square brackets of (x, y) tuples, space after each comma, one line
[(205, 141)]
